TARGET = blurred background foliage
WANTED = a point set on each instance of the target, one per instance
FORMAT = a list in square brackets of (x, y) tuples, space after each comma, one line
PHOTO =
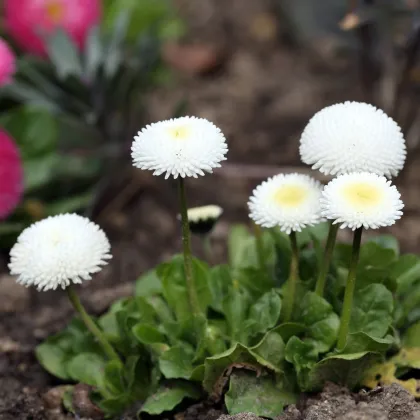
[(73, 113)]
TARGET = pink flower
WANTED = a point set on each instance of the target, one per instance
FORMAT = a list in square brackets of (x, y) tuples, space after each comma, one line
[(7, 63), (25, 19), (11, 175)]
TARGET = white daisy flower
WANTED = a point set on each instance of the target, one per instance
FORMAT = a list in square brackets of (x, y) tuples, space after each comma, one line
[(186, 146), (289, 201), (353, 137), (59, 250), (202, 219), (361, 199)]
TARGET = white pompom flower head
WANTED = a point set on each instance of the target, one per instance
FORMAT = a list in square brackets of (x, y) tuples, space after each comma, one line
[(290, 201), (180, 147), (353, 137), (58, 251), (361, 200)]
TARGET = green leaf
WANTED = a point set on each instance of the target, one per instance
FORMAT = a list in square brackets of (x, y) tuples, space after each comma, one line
[(264, 313), (175, 290), (301, 354), (113, 377), (261, 396), (64, 55), (176, 363), (242, 248), (35, 130), (406, 271), (40, 171), (238, 238), (235, 307), (321, 321), (372, 310), (52, 356), (148, 334), (360, 341), (219, 282), (269, 351), (411, 337), (87, 368), (148, 284), (253, 358), (94, 53), (387, 242), (343, 369), (166, 398), (114, 52)]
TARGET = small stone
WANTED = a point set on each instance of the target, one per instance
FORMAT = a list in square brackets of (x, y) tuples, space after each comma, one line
[(54, 397), (82, 403)]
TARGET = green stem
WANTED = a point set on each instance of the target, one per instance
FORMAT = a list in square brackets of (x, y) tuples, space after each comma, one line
[(186, 243), (293, 278), (90, 325), (348, 294), (326, 262), (260, 247), (208, 252)]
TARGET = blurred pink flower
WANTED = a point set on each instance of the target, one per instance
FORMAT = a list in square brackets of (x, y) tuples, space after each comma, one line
[(25, 19), (11, 175), (7, 63)]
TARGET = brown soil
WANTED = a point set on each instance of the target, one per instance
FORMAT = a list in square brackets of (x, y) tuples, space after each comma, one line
[(261, 92)]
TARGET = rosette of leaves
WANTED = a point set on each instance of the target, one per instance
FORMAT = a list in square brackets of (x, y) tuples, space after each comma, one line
[(75, 112), (239, 350)]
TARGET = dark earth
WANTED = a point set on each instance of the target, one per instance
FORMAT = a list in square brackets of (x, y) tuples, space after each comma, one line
[(237, 68)]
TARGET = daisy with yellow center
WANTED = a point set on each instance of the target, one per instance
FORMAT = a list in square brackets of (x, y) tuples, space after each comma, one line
[(358, 200), (289, 201), (180, 147), (361, 200)]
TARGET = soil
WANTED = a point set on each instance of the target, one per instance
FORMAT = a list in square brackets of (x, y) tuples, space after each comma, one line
[(261, 90)]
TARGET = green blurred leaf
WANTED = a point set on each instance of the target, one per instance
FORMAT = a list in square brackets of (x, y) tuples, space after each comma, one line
[(176, 363), (264, 313), (166, 398), (219, 282), (114, 52), (343, 369), (64, 55), (93, 53), (35, 130), (411, 337), (387, 242), (148, 334), (261, 396), (88, 368), (148, 284), (321, 321), (372, 310), (174, 286)]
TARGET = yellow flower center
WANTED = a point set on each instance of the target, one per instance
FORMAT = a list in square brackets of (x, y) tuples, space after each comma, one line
[(180, 132), (363, 195), (55, 11), (290, 195)]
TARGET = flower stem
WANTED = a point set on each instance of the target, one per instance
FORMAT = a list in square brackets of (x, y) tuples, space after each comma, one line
[(260, 247), (208, 252), (293, 278), (326, 262), (90, 325), (349, 292), (186, 243)]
